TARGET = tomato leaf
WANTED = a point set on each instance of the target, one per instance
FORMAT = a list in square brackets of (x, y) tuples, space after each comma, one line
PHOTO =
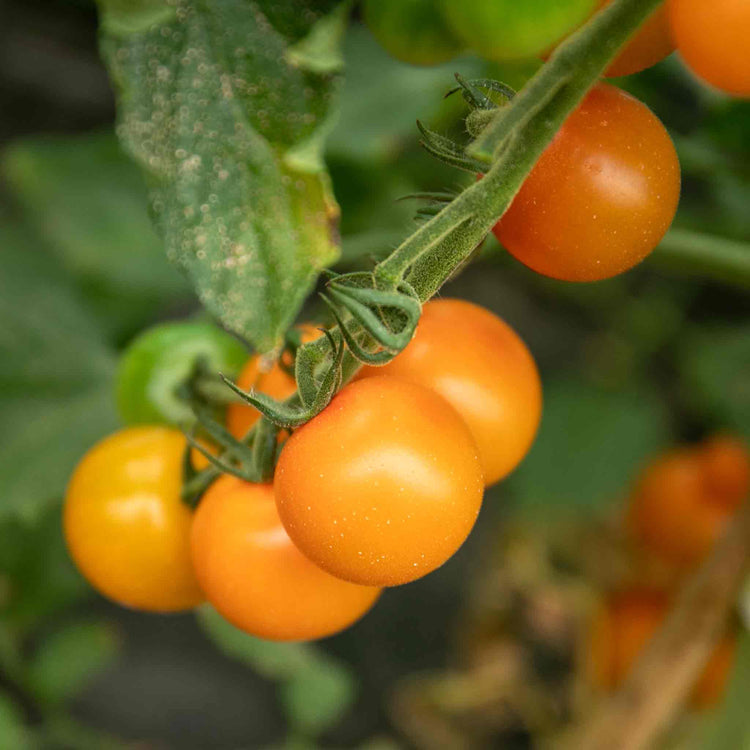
[(69, 659), (88, 202), (225, 106), (55, 380), (14, 735)]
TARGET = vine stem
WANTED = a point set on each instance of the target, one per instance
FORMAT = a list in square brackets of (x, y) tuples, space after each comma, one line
[(512, 143), (661, 680), (713, 257)]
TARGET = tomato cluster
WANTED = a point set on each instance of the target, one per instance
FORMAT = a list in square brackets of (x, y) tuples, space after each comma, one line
[(379, 489), (679, 507)]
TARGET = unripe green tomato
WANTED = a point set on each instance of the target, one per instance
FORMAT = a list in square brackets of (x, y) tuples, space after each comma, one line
[(413, 31), (514, 29), (160, 359)]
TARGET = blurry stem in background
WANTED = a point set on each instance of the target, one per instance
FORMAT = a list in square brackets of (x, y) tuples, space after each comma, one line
[(657, 687), (705, 255)]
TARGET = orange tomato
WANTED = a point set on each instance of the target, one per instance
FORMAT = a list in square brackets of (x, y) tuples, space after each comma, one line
[(275, 382), (712, 39), (256, 578), (685, 498), (126, 527), (382, 486), (622, 627), (649, 45), (482, 368), (601, 196)]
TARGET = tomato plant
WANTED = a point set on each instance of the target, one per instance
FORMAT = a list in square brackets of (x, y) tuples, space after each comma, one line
[(482, 368), (685, 498), (508, 30), (648, 46), (159, 360), (254, 576), (383, 486), (413, 31), (601, 196), (125, 525), (622, 626), (712, 40)]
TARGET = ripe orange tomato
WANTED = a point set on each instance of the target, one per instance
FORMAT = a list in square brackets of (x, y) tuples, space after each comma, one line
[(256, 578), (126, 527), (685, 498), (712, 39), (650, 44), (482, 368), (622, 627), (601, 196), (274, 382), (382, 486)]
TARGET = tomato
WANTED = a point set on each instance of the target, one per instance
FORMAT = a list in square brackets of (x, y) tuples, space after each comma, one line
[(413, 31), (601, 196), (712, 39), (684, 499), (481, 367), (126, 527), (159, 360), (650, 44), (256, 578), (274, 381), (383, 485), (511, 30), (622, 627)]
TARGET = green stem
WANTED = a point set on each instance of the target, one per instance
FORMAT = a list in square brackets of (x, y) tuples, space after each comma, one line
[(512, 143), (711, 257)]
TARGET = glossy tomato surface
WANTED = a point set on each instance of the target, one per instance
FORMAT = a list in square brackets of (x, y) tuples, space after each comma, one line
[(512, 30), (413, 31), (601, 196), (382, 486), (126, 527), (254, 575), (157, 361), (712, 39), (480, 365)]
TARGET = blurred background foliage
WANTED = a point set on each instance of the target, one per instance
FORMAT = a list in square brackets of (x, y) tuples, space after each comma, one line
[(630, 366)]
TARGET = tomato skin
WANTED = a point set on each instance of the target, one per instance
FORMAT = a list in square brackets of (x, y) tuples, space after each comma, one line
[(650, 44), (512, 30), (601, 196), (254, 575), (482, 368), (274, 381), (685, 498), (159, 359), (412, 31), (125, 525), (621, 628), (712, 39), (382, 486)]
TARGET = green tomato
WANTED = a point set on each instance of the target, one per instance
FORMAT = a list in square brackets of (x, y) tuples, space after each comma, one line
[(514, 29), (413, 31), (159, 360)]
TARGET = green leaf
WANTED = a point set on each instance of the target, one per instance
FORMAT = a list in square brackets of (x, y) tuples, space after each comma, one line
[(69, 659), (88, 201), (14, 735), (317, 697), (55, 378), (714, 368), (225, 106), (590, 445), (272, 660), (37, 575)]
